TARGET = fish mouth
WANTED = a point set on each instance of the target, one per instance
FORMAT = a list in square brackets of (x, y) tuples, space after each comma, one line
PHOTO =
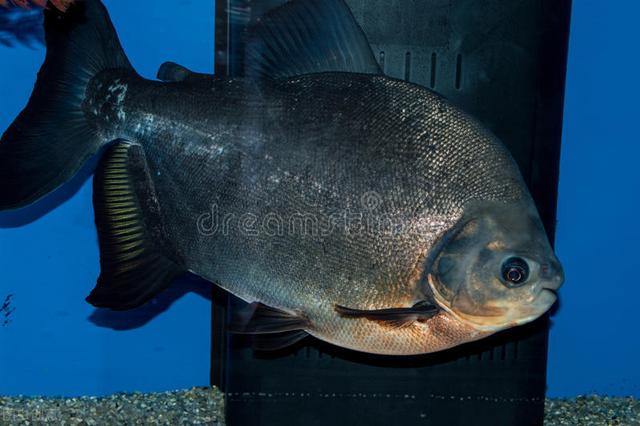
[(510, 316), (552, 291), (525, 314)]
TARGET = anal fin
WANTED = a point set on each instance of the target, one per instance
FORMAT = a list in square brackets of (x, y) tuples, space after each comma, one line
[(272, 328), (134, 256), (278, 341)]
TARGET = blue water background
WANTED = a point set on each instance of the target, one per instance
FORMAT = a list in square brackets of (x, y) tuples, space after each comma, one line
[(55, 343), (595, 343)]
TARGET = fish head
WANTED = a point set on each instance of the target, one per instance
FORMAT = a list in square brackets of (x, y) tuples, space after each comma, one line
[(496, 268)]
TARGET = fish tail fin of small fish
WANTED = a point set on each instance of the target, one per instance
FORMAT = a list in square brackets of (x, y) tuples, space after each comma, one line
[(136, 259), (61, 5), (51, 139)]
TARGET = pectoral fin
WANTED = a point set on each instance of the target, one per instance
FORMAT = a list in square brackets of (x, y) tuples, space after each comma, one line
[(272, 328), (393, 317)]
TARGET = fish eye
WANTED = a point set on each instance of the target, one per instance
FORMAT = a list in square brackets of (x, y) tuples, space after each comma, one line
[(515, 271)]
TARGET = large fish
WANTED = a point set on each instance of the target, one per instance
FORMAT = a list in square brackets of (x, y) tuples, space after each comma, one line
[(366, 211)]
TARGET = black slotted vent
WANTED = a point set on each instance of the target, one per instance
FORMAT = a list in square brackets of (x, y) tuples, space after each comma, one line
[(503, 61)]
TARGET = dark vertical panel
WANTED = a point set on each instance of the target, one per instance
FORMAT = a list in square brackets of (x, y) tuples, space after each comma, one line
[(219, 349), (222, 37), (458, 71), (503, 61), (545, 156), (407, 66), (433, 70), (219, 338)]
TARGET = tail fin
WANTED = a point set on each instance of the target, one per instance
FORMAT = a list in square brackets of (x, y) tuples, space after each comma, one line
[(51, 139)]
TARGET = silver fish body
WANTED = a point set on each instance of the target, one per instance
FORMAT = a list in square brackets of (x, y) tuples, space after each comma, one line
[(321, 190), (366, 211)]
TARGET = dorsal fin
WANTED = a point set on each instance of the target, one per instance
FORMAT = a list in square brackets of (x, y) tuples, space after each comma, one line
[(170, 71), (306, 37)]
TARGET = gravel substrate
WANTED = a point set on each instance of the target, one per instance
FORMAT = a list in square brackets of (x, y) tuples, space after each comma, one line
[(592, 410), (200, 406), (204, 406)]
